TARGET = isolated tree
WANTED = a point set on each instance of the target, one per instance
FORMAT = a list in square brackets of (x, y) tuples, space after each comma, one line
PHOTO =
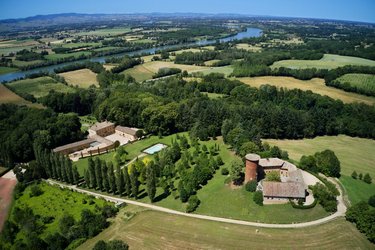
[(354, 175), (360, 176), (151, 180), (127, 183), (98, 173), (236, 172), (258, 198), (119, 180), (251, 186), (367, 178), (248, 147), (328, 163), (111, 177)]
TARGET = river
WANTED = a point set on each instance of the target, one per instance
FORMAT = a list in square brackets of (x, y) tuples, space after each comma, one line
[(250, 32)]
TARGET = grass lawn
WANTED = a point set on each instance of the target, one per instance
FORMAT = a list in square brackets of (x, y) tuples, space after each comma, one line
[(157, 230), (213, 95), (226, 70), (40, 86), (360, 81), (83, 78), (315, 85), (8, 96), (105, 32), (18, 63), (55, 202), (328, 61), (4, 70), (248, 47), (79, 45), (217, 199), (354, 154)]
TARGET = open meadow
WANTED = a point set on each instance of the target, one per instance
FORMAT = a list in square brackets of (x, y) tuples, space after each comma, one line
[(354, 154), (8, 96), (4, 70), (316, 85), (328, 61), (83, 78), (39, 87), (157, 230)]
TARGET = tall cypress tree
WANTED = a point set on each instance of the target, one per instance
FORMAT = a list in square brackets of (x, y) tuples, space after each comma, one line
[(98, 173), (75, 175), (151, 181), (128, 187), (119, 180), (53, 166), (62, 168), (111, 178), (86, 175), (134, 180), (69, 170), (91, 168), (56, 159), (105, 177)]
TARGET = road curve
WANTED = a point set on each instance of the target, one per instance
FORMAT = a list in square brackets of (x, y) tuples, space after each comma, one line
[(341, 209)]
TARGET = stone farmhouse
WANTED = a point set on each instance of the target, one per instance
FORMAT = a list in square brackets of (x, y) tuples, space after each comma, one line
[(102, 137), (292, 185)]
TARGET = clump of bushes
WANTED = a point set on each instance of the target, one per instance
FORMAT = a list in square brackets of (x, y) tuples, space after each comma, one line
[(193, 203), (325, 162), (224, 171), (325, 197), (35, 191), (364, 217), (111, 245), (366, 178), (251, 186), (258, 198)]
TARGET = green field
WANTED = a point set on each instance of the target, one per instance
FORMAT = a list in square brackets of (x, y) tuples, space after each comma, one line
[(328, 61), (157, 230), (105, 32), (53, 57), (24, 63), (79, 45), (360, 81), (4, 70), (213, 95), (217, 198), (39, 87), (354, 154), (55, 202)]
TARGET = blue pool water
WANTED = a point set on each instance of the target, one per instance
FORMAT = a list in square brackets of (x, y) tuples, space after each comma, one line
[(154, 149)]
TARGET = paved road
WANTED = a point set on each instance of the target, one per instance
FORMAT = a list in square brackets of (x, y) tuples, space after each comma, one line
[(341, 209)]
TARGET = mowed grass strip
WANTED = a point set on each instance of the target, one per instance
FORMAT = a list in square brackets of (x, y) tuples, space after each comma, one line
[(39, 87), (360, 81), (8, 96), (83, 78), (315, 85), (4, 70), (328, 61), (354, 154), (157, 230)]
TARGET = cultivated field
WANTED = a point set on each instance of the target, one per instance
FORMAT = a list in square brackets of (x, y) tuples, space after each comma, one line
[(327, 62), (82, 78), (157, 230), (360, 81), (354, 154), (7, 96), (147, 70), (39, 87), (316, 85), (6, 196)]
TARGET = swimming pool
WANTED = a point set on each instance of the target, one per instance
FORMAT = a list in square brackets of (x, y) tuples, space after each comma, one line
[(154, 149)]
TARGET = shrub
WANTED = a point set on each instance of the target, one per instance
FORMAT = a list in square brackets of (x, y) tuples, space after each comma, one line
[(224, 171), (360, 176), (354, 175), (273, 176), (371, 201), (258, 198), (367, 178), (251, 186), (299, 206), (193, 203), (325, 197), (36, 191)]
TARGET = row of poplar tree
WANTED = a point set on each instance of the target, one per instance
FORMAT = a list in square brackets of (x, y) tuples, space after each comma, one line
[(122, 181)]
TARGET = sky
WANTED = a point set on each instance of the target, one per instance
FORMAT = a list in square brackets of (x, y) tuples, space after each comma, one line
[(353, 10)]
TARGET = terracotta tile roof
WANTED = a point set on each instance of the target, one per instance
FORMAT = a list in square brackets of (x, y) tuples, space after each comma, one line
[(73, 145), (101, 125), (127, 130), (283, 189)]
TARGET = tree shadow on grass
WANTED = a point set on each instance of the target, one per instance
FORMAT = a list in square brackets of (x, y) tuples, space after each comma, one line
[(161, 197)]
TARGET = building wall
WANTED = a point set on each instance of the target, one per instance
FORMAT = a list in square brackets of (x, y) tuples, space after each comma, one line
[(127, 136), (251, 171), (74, 149), (106, 131)]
